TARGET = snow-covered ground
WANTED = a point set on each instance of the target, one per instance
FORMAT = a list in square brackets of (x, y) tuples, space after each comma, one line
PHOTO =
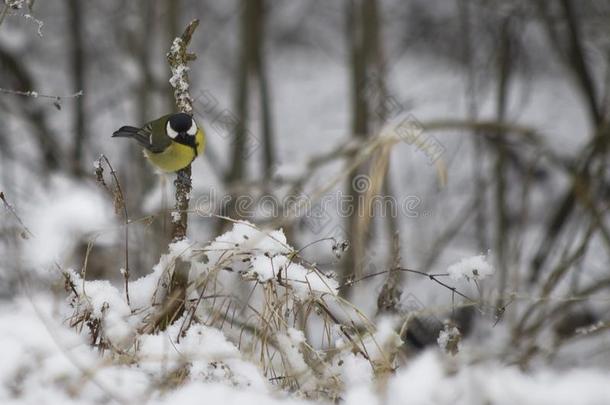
[(46, 362), (47, 357)]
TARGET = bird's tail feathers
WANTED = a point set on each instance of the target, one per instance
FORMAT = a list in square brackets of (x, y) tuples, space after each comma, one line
[(126, 132)]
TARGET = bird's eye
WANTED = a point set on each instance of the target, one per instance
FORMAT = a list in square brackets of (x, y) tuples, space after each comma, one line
[(169, 131), (193, 129)]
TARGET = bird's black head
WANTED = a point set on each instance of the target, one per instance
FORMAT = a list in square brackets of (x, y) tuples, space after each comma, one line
[(181, 128), (180, 122)]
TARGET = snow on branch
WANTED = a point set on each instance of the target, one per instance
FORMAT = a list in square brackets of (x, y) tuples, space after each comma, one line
[(178, 57)]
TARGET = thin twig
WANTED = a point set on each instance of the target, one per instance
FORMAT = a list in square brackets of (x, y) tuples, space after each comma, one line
[(11, 209), (34, 94), (431, 276), (121, 201)]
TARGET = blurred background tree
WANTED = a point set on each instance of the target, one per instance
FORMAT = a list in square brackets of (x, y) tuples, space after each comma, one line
[(293, 93)]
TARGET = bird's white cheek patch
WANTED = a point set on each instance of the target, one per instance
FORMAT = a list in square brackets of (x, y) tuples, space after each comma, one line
[(170, 132), (192, 130)]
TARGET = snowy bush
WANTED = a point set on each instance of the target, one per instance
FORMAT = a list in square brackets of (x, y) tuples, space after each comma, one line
[(215, 334)]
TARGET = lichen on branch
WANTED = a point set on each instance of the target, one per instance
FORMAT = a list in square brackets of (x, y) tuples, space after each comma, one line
[(178, 58)]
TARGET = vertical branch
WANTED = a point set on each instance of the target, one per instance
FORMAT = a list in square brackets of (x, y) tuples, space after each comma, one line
[(365, 55), (468, 58), (358, 69), (505, 57), (260, 67), (77, 31), (247, 61), (246, 52), (178, 57), (359, 127), (375, 76), (143, 59)]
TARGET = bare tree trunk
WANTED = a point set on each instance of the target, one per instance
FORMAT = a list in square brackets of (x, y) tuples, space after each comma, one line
[(252, 65), (502, 227), (14, 70), (362, 34), (358, 127), (146, 82), (377, 119), (252, 62), (471, 94), (358, 65), (263, 87), (246, 56), (78, 67), (239, 154), (142, 177)]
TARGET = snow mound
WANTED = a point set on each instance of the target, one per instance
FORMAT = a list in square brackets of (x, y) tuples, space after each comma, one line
[(471, 268)]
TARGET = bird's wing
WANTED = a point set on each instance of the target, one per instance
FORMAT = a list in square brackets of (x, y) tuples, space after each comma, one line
[(155, 130), (145, 137)]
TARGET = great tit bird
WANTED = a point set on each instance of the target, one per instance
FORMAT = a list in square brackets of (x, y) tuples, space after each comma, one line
[(171, 142)]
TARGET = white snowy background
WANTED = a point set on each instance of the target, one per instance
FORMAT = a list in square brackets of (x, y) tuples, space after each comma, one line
[(46, 357)]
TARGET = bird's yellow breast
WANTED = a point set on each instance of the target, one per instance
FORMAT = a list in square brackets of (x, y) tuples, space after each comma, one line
[(177, 156)]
